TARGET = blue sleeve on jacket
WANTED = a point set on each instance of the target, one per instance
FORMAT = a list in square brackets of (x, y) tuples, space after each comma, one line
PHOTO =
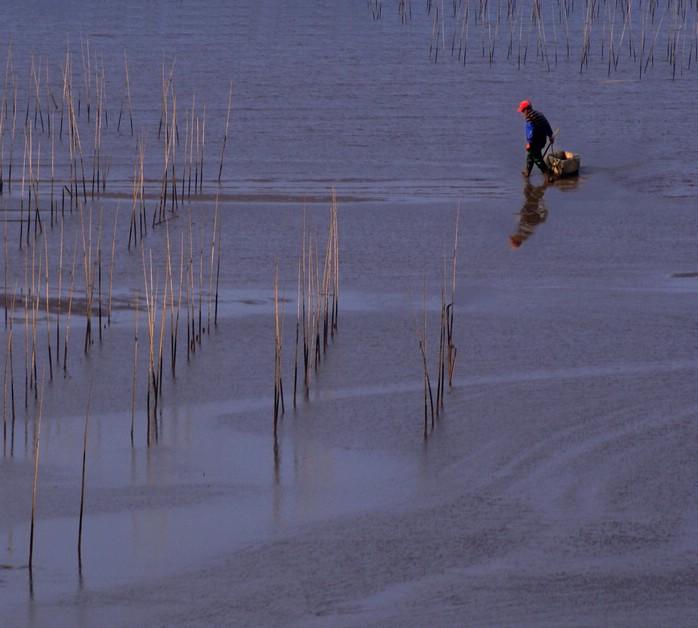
[(529, 131)]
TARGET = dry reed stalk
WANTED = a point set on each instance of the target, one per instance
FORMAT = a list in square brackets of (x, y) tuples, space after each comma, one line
[(309, 336), (428, 398), (191, 317), (196, 158), (317, 296), (59, 297), (53, 172), (36, 478), (452, 349), (76, 151), (173, 141), (201, 278), (111, 265), (225, 134), (48, 310), (170, 282), (335, 273), (440, 375), (213, 257), (99, 273), (190, 136), (325, 290), (179, 307), (138, 207), (135, 366), (163, 317), (97, 134), (35, 79), (4, 232), (278, 383), (203, 143), (8, 367), (89, 275), (9, 72), (150, 318), (82, 485), (67, 72), (14, 124), (25, 300), (37, 179), (128, 97), (21, 195), (87, 72), (298, 324), (70, 306), (218, 270), (35, 326), (150, 324)]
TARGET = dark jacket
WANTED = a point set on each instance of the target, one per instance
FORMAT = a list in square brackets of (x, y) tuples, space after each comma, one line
[(537, 128)]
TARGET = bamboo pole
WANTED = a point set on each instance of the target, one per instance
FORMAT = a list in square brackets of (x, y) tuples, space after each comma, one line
[(70, 306), (135, 365), (225, 134)]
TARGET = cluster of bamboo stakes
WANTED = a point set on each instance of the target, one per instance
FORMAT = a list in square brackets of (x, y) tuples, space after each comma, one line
[(447, 348), (44, 305), (75, 177), (550, 32), (168, 300), (63, 118), (317, 311), (69, 180)]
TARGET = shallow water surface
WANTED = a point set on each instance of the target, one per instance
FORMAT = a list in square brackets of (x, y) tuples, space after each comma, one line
[(555, 486)]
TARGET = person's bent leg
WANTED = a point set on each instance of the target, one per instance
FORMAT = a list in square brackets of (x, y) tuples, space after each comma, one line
[(536, 156)]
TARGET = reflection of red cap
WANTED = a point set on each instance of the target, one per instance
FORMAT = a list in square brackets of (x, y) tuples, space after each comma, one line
[(524, 105), (515, 241)]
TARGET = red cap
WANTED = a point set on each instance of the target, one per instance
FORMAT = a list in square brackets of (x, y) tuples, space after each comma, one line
[(524, 105)]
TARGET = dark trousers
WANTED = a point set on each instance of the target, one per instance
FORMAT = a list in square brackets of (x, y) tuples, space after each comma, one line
[(534, 156)]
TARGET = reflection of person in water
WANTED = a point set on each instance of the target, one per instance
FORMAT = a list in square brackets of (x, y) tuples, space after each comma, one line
[(531, 215)]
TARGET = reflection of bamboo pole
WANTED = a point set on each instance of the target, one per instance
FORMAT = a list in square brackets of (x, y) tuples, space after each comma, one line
[(36, 477), (82, 490)]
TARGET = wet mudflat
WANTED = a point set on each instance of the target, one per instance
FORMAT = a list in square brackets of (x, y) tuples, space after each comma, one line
[(557, 486)]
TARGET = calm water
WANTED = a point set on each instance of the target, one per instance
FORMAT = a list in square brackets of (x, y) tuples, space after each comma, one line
[(558, 485)]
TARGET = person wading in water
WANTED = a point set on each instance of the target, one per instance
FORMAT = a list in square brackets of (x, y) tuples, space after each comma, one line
[(537, 131)]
